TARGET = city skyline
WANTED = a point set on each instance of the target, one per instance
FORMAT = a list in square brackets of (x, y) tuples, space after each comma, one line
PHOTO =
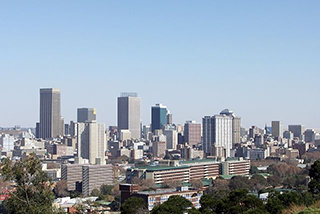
[(258, 59), (74, 118)]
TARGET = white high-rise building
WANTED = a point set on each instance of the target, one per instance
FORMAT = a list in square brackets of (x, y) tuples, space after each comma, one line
[(91, 142), (222, 134), (171, 138), (7, 142), (129, 114), (217, 132)]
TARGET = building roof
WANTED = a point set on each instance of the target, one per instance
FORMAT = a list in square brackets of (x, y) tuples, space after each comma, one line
[(160, 168), (165, 191), (199, 161)]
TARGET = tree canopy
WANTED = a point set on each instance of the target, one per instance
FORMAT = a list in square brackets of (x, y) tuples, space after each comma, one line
[(174, 205), (134, 205), (33, 192)]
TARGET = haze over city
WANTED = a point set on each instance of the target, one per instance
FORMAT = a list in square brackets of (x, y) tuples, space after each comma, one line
[(258, 59)]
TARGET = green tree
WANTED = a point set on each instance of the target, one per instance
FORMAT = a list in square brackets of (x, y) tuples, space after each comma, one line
[(33, 193), (95, 192), (277, 202), (174, 205), (239, 201), (254, 170), (314, 173), (106, 189), (208, 203), (274, 205), (134, 205), (115, 204)]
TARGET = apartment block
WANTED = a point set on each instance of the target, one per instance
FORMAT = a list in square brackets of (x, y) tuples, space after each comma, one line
[(93, 176), (72, 173)]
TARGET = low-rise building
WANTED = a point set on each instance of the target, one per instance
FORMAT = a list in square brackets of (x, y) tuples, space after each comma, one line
[(159, 196), (93, 176), (190, 170)]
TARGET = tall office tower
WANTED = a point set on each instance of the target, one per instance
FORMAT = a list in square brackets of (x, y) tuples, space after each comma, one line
[(310, 135), (192, 133), (91, 142), (207, 134), (158, 116), (171, 138), (217, 132), (37, 130), (253, 131), (129, 114), (50, 116), (277, 129), (146, 131), (86, 115), (73, 129), (297, 130), (236, 126), (169, 119), (66, 129)]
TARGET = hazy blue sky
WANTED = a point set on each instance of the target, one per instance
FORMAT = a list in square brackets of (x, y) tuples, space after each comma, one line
[(259, 58)]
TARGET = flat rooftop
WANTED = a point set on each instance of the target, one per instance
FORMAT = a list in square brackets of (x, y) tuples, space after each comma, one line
[(160, 168)]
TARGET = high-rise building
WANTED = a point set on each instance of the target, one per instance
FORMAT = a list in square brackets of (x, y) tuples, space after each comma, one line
[(236, 130), (159, 149), (171, 138), (310, 135), (37, 130), (236, 126), (86, 115), (50, 113), (217, 130), (222, 134), (297, 130), (91, 142), (169, 118), (207, 134), (7, 142), (129, 114), (253, 131), (192, 133), (158, 116), (277, 129)]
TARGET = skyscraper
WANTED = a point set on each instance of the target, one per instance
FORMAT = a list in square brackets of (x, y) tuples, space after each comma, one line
[(129, 114), (86, 115), (236, 126), (277, 129), (91, 142), (192, 133), (297, 130), (171, 138), (158, 116), (217, 132), (207, 134), (50, 113)]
